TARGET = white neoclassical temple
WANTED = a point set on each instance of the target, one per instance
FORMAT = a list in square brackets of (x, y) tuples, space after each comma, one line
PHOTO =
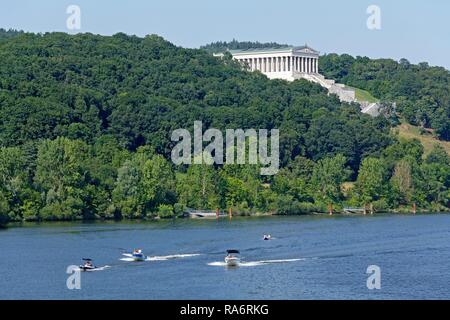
[(288, 63)]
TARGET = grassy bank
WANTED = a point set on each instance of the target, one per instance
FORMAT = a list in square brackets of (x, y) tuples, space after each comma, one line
[(426, 137)]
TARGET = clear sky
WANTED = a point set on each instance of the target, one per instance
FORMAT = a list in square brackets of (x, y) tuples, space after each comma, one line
[(418, 30)]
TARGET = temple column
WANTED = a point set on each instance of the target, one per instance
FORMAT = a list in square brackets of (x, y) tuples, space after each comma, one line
[(292, 64)]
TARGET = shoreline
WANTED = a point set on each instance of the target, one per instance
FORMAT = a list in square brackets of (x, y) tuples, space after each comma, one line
[(23, 224)]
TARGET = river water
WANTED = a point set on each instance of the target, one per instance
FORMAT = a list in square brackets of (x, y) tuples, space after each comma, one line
[(309, 257)]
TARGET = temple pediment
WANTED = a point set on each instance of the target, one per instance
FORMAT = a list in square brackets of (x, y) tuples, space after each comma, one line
[(305, 49)]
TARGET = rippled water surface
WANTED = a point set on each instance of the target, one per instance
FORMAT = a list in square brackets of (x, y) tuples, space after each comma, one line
[(309, 258)]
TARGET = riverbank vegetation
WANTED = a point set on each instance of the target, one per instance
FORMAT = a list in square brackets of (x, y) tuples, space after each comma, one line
[(86, 121)]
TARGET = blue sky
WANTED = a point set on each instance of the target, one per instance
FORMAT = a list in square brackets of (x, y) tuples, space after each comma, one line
[(413, 29)]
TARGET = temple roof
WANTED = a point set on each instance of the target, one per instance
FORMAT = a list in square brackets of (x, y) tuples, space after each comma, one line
[(305, 49)]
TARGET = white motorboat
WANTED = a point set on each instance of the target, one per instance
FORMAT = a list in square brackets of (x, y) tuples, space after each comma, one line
[(137, 255), (87, 265), (267, 237), (232, 259)]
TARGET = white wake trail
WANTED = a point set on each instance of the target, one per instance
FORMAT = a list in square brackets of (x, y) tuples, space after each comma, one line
[(173, 256), (96, 269), (255, 263), (129, 257)]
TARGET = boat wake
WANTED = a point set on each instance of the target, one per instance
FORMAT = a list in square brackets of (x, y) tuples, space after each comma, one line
[(254, 263), (96, 269), (129, 257), (173, 256)]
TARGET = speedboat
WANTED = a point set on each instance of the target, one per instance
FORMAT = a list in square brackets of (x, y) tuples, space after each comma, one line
[(267, 237), (137, 255), (232, 259), (87, 265)]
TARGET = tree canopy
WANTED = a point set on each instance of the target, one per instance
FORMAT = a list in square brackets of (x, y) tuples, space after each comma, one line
[(86, 121), (421, 92)]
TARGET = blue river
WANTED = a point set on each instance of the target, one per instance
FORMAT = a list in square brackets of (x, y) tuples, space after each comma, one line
[(309, 257)]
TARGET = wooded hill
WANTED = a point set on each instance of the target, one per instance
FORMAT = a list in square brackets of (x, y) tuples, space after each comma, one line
[(86, 120)]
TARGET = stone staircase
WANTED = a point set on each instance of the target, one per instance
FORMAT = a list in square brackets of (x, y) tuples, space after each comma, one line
[(344, 93)]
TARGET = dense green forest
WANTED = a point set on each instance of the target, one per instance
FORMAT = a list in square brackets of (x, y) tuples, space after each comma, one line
[(421, 92), (222, 46), (86, 121)]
